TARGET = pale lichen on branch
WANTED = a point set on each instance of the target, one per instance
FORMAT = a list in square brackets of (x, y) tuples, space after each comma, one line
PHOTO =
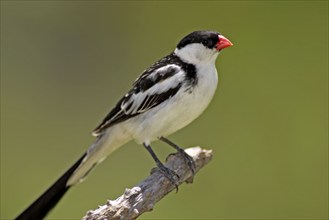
[(146, 194)]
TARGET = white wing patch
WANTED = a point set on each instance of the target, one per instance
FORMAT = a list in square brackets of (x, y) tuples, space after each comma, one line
[(144, 100)]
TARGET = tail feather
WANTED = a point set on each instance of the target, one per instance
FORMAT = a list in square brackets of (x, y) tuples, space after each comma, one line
[(40, 208), (101, 148)]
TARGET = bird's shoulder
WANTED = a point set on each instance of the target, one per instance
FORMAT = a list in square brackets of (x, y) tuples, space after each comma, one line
[(165, 67)]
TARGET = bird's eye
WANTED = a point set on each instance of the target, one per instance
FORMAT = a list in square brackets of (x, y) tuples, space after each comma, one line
[(205, 42)]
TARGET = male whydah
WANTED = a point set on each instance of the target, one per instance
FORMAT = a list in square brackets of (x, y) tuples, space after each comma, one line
[(166, 97)]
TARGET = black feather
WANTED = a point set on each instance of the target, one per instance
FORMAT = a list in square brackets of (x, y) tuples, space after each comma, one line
[(40, 207), (207, 38)]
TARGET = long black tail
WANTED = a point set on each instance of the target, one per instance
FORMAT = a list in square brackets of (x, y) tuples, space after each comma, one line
[(40, 207)]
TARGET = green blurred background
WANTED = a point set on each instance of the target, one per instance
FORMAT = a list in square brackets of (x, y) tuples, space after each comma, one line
[(64, 64)]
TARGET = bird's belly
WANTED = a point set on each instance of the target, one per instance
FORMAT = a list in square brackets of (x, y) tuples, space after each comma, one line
[(174, 114)]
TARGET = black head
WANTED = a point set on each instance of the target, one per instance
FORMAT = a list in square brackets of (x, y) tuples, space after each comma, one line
[(207, 38)]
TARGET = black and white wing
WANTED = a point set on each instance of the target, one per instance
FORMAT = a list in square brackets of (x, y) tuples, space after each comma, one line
[(155, 86)]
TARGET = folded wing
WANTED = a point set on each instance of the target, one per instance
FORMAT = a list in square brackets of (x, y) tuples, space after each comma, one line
[(149, 90)]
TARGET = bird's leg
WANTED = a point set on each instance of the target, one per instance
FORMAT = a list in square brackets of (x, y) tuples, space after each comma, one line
[(168, 173), (188, 159)]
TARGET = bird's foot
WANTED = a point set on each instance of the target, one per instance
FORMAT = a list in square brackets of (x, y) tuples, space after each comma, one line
[(188, 160), (169, 174)]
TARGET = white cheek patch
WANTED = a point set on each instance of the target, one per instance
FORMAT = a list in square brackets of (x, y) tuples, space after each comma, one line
[(195, 53)]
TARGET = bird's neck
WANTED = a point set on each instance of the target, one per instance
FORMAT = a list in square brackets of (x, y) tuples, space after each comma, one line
[(195, 58)]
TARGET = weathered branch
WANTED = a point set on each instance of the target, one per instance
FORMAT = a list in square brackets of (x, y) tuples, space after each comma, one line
[(143, 197)]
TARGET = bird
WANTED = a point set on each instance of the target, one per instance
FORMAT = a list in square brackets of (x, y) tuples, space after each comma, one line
[(166, 97)]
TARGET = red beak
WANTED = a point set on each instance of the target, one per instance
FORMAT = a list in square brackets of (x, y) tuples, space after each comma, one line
[(223, 43)]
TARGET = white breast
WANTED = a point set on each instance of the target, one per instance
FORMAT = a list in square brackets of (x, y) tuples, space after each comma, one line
[(177, 112)]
